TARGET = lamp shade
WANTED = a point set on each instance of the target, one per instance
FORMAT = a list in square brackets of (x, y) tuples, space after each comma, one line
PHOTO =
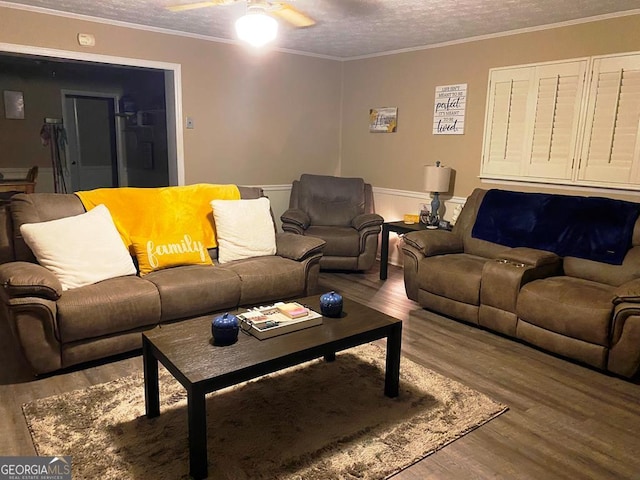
[(436, 178), (256, 28)]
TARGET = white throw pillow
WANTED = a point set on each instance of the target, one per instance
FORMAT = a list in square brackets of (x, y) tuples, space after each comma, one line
[(244, 228), (80, 250)]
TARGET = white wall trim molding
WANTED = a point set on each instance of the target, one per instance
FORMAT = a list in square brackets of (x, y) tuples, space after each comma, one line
[(423, 197), (585, 189), (507, 33), (168, 31), (393, 204), (275, 188)]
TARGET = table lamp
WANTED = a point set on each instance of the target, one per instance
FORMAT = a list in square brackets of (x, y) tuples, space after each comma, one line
[(436, 180)]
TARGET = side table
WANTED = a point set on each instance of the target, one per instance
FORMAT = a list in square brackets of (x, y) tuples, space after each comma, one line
[(398, 227)]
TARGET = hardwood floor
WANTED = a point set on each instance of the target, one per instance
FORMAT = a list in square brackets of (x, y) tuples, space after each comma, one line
[(565, 421)]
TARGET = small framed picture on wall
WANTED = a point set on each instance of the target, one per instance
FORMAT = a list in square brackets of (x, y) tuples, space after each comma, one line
[(13, 105), (383, 120)]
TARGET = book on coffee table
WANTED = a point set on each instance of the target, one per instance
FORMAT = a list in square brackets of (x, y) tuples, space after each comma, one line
[(292, 309), (270, 321)]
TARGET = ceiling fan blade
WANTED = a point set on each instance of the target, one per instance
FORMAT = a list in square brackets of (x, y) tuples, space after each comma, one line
[(193, 6), (292, 15)]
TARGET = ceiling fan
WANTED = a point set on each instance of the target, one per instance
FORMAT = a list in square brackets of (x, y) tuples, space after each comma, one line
[(282, 10)]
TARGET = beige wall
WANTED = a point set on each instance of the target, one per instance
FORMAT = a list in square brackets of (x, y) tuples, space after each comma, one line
[(20, 138), (258, 119), (264, 119), (408, 81)]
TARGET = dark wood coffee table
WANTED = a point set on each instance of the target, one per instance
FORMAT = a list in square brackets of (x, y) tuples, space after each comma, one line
[(187, 351)]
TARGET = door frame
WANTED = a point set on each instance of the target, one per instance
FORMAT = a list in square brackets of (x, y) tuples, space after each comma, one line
[(172, 86), (120, 155)]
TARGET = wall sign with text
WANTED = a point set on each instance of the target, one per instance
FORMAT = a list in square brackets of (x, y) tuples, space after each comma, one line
[(383, 119), (449, 109)]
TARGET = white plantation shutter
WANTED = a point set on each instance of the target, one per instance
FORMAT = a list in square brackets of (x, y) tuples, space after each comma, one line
[(611, 146), (558, 96), (540, 118), (532, 120), (506, 121)]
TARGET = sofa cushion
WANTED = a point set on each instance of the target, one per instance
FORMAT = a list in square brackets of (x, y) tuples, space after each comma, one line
[(268, 278), (244, 228), (456, 276), (594, 228), (156, 254), (573, 307), (464, 227), (586, 352), (162, 211), (615, 275), (112, 306), (331, 200), (482, 248), (341, 241), (80, 250), (192, 290)]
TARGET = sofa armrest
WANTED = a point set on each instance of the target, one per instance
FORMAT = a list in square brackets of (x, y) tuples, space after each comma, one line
[(529, 256), (624, 352), (365, 220), (25, 279), (434, 242), (33, 322), (628, 292), (297, 247), (296, 217)]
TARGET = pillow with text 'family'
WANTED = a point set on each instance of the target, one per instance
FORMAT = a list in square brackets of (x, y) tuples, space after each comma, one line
[(170, 251), (244, 228), (80, 250)]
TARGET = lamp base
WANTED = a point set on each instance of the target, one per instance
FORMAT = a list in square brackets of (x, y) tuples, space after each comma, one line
[(427, 217), (435, 206), (424, 213)]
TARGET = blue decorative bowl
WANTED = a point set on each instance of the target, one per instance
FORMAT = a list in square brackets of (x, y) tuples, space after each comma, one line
[(331, 304), (225, 329)]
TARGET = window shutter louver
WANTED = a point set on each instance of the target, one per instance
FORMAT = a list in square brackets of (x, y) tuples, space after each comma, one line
[(611, 150), (507, 123), (555, 128)]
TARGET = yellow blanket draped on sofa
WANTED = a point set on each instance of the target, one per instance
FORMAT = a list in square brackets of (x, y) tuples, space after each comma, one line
[(162, 211)]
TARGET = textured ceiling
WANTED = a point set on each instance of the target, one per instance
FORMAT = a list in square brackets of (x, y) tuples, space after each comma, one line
[(352, 28)]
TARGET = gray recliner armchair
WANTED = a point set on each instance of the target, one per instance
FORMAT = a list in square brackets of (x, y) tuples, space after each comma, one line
[(341, 212)]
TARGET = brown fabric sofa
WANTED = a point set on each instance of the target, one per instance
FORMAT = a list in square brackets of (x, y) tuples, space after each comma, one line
[(582, 309), (341, 212), (56, 329)]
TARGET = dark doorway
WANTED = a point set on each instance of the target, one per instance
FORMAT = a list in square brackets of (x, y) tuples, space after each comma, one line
[(90, 124), (132, 148)]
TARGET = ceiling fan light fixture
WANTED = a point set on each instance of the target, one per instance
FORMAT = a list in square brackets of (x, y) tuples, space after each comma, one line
[(256, 28)]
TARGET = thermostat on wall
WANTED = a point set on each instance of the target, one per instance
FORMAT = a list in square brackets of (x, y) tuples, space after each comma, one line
[(86, 40)]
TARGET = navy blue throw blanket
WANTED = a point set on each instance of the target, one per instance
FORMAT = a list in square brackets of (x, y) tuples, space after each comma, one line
[(594, 228)]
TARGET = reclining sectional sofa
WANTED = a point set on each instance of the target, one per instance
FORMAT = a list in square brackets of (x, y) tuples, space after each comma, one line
[(57, 328), (558, 272)]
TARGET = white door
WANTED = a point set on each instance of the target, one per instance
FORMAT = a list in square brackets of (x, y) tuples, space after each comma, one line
[(92, 156)]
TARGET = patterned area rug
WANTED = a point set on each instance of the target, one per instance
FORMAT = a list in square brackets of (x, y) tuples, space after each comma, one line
[(316, 421)]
